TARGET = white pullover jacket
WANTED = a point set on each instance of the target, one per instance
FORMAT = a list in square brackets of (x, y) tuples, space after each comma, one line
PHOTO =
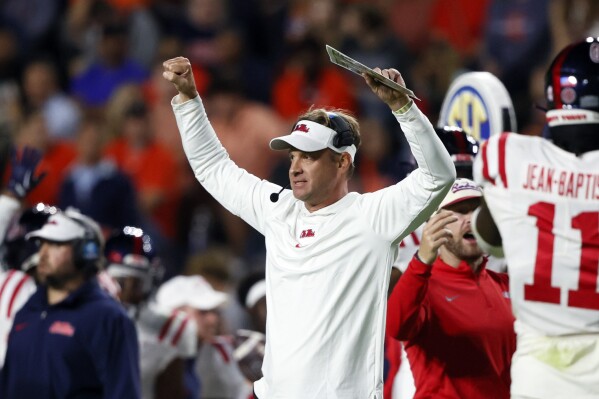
[(327, 271)]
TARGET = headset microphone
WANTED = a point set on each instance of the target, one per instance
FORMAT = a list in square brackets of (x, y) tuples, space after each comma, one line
[(274, 197)]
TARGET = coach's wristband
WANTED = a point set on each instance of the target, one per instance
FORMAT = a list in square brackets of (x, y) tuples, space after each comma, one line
[(404, 109)]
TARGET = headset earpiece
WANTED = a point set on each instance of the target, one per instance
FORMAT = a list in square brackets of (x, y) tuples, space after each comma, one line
[(87, 250), (344, 136)]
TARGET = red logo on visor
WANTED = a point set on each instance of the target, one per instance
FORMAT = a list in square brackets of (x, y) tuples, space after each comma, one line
[(301, 127)]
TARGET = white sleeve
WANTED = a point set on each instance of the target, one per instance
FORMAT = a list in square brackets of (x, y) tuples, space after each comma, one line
[(486, 169), (238, 191), (8, 209), (397, 210)]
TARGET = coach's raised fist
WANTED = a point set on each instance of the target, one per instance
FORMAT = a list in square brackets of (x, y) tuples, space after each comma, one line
[(178, 72)]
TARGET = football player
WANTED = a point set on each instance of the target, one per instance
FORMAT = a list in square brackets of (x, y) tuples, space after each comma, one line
[(16, 255), (18, 258), (165, 338), (69, 330), (542, 212), (214, 364), (249, 344)]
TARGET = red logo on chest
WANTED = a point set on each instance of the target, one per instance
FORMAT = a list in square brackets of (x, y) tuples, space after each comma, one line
[(62, 328), (307, 233)]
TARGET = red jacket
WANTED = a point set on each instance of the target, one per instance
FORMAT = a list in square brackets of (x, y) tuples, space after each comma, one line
[(458, 327)]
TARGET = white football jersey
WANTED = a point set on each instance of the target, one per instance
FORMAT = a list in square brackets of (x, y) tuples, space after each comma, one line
[(15, 289), (545, 202), (407, 248), (219, 372), (109, 284), (162, 338)]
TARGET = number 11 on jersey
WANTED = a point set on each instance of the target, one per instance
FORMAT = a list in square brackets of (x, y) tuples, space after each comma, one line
[(586, 295)]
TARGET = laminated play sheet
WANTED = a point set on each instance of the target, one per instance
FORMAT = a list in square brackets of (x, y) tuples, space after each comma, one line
[(350, 64)]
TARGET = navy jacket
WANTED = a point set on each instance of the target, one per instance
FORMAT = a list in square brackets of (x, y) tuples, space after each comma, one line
[(83, 347)]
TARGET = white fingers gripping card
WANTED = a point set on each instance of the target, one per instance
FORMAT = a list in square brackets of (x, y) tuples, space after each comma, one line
[(350, 64)]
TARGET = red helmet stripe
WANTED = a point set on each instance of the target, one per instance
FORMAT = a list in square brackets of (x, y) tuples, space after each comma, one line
[(460, 140), (137, 246), (555, 77)]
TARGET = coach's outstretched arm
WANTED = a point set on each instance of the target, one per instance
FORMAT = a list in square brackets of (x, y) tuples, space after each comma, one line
[(426, 187), (240, 192)]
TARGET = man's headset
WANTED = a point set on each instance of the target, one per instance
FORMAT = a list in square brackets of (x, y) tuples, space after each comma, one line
[(87, 251), (344, 136)]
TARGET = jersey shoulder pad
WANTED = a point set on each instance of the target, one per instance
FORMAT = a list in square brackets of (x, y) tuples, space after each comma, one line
[(15, 289), (223, 344), (490, 165), (179, 330)]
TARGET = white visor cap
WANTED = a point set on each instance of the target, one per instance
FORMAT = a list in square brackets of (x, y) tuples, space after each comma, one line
[(310, 136), (58, 228)]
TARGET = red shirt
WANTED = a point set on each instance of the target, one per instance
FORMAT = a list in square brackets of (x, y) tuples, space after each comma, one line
[(152, 168), (458, 327), (292, 94), (55, 162), (392, 363)]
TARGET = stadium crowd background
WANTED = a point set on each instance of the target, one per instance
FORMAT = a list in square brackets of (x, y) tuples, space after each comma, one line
[(81, 80)]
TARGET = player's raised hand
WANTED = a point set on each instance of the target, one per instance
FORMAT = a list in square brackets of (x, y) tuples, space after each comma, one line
[(23, 178), (434, 235), (178, 72), (393, 98)]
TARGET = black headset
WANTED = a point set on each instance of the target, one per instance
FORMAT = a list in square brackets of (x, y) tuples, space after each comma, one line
[(87, 250), (344, 136)]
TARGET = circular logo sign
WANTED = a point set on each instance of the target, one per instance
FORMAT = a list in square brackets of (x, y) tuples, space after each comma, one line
[(468, 110)]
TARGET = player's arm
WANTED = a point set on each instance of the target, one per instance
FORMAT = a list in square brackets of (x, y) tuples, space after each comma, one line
[(9, 207), (485, 230), (401, 208), (486, 172), (408, 307), (169, 384), (22, 180)]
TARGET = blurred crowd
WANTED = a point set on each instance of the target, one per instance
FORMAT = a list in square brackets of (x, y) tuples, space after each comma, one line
[(81, 82)]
